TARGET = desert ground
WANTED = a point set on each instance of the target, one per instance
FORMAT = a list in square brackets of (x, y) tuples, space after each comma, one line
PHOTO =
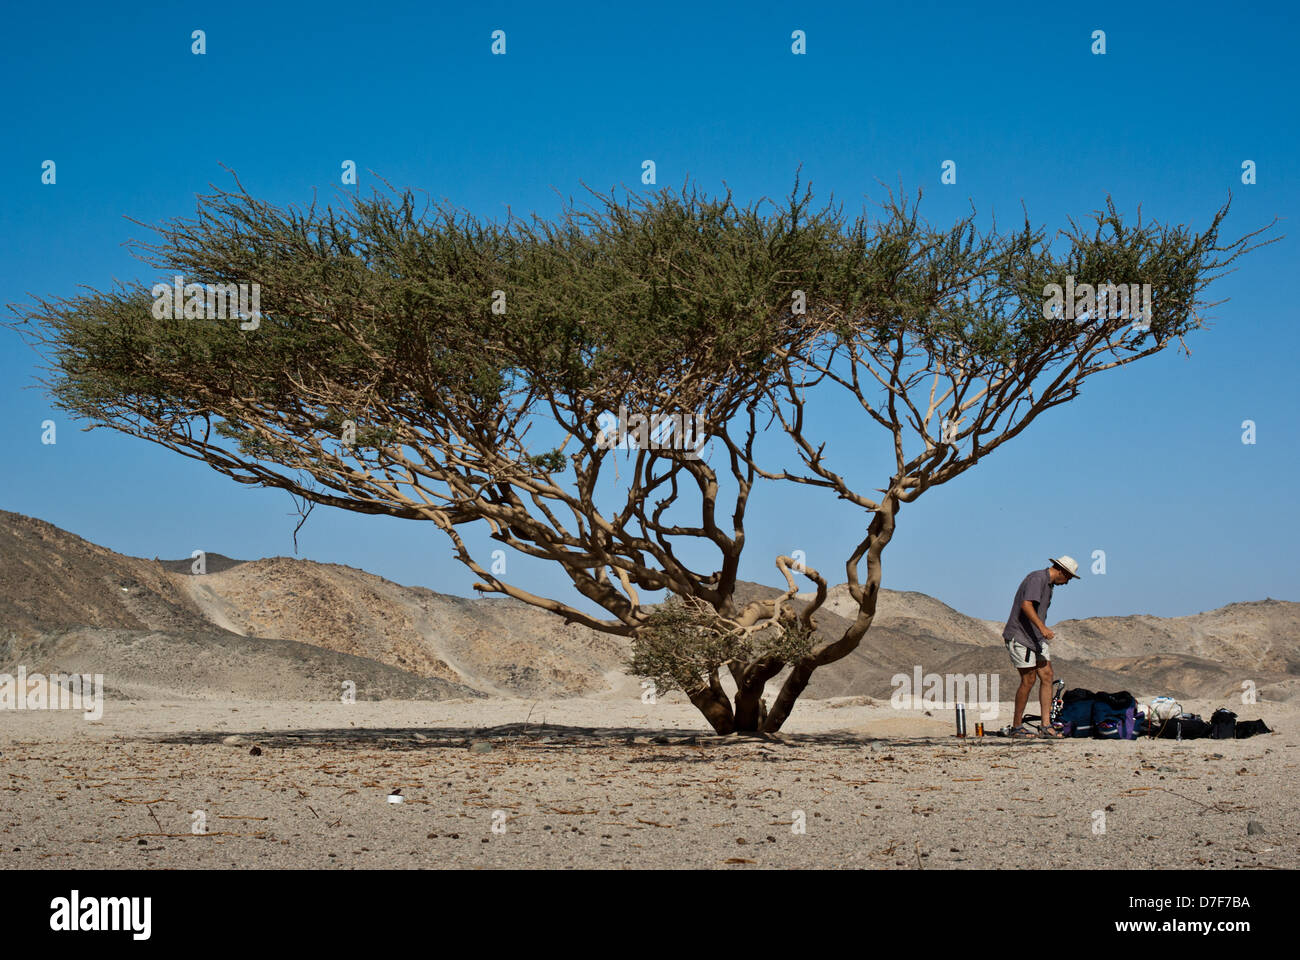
[(518, 741), (611, 782)]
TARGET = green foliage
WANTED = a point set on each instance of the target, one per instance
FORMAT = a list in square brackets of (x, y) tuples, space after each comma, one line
[(386, 306), (674, 299), (550, 462), (682, 643)]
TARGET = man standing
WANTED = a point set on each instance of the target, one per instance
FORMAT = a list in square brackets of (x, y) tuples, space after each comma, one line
[(1026, 635)]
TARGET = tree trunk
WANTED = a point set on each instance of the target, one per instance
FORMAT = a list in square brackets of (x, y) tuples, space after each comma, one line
[(751, 709), (790, 690), (878, 535), (713, 703), (748, 708)]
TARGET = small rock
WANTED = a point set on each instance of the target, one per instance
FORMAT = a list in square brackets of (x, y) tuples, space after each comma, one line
[(255, 752), (480, 746), (1254, 827), (659, 739), (234, 741)]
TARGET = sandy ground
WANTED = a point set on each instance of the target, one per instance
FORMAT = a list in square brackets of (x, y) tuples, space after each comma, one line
[(615, 783)]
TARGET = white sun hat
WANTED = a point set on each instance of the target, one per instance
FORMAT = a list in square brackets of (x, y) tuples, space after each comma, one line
[(1067, 564)]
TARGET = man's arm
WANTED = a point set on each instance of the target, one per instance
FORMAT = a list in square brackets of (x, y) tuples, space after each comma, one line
[(1030, 610)]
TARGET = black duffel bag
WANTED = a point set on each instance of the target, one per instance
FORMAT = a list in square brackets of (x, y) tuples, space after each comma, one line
[(1187, 727), (1248, 728)]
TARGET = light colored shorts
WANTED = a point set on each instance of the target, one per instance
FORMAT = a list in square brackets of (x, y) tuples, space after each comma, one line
[(1023, 657)]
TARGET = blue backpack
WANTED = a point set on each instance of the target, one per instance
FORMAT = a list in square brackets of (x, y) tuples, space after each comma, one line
[(1077, 718), (1114, 719), (1108, 716)]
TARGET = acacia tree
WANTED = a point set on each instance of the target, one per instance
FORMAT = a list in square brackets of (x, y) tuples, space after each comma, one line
[(412, 361)]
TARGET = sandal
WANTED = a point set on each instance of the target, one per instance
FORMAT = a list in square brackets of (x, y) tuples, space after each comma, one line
[(1022, 733), (1047, 732)]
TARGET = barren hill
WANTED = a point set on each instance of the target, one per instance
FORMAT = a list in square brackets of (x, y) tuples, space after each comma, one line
[(294, 629), (501, 647), (215, 664), (74, 602)]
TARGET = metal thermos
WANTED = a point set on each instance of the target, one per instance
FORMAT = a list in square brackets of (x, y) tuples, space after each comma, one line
[(961, 719)]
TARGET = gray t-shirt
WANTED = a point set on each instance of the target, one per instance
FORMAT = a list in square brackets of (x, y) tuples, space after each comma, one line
[(1037, 589)]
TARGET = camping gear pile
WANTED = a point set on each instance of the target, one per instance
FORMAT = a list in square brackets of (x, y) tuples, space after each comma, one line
[(1118, 716)]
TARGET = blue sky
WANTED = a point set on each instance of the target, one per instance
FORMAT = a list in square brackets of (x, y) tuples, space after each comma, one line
[(1148, 465)]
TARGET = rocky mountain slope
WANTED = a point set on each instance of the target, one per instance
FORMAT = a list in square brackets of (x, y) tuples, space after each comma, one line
[(285, 628)]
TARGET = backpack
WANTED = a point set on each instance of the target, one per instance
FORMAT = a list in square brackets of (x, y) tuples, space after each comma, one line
[(1164, 708), (1109, 716), (1223, 724), (1076, 715), (1114, 716)]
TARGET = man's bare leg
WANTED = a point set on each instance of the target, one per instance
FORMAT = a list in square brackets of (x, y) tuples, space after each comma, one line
[(1045, 679), (1027, 675)]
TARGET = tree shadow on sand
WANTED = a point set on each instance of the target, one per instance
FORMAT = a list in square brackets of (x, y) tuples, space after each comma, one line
[(557, 737)]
